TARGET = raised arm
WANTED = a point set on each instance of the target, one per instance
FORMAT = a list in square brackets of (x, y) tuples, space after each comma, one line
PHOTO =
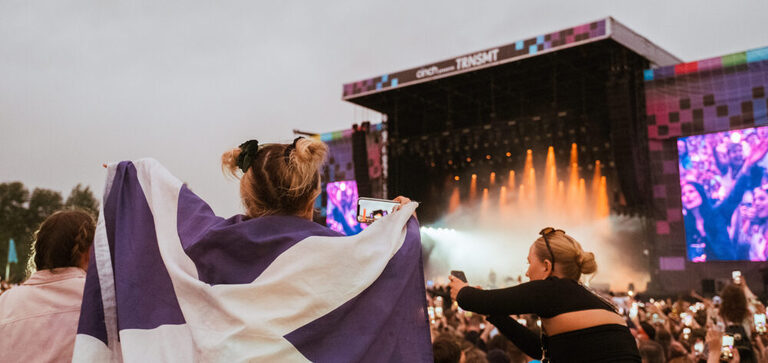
[(535, 297)]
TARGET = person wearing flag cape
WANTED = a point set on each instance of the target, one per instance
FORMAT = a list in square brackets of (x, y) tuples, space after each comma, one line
[(171, 281)]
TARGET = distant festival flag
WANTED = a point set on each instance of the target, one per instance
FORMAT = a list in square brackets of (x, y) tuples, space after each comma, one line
[(170, 281), (12, 258)]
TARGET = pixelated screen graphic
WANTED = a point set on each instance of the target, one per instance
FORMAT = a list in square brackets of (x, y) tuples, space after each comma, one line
[(342, 207), (724, 194)]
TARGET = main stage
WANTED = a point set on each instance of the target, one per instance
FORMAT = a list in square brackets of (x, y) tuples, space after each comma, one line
[(572, 128)]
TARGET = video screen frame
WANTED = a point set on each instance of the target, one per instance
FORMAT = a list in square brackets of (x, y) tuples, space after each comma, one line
[(341, 212), (724, 194)]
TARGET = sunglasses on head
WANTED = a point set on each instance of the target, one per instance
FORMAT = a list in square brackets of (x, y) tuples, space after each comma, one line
[(544, 233)]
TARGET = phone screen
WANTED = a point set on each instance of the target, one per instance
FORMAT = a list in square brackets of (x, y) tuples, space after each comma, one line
[(369, 209), (699, 347), (688, 320), (494, 332), (727, 340), (759, 319)]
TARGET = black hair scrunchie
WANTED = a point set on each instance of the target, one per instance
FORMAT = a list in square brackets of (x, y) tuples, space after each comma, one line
[(248, 152), (290, 148)]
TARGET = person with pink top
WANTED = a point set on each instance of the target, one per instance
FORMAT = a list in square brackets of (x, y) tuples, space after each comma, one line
[(38, 319)]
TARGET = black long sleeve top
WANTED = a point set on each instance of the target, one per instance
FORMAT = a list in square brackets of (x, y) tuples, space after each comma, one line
[(545, 298)]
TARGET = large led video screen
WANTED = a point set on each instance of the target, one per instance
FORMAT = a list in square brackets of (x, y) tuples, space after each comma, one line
[(342, 207), (724, 194)]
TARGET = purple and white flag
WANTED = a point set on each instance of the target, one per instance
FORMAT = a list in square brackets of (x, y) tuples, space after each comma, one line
[(170, 281)]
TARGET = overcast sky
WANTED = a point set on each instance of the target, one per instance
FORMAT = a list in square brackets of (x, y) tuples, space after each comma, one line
[(87, 82)]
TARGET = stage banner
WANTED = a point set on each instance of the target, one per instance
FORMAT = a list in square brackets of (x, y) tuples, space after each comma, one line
[(480, 59)]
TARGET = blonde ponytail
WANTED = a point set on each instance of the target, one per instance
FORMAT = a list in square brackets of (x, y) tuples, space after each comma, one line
[(229, 162)]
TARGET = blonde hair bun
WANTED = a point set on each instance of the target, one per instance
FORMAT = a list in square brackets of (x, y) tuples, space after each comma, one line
[(279, 178), (310, 152), (587, 263)]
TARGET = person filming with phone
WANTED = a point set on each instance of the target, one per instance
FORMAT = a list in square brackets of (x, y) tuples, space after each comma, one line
[(577, 324)]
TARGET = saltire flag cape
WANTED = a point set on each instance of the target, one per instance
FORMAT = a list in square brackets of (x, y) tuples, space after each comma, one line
[(170, 281)]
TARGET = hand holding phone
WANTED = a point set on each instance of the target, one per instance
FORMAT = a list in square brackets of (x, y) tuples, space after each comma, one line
[(698, 347), (458, 282), (459, 275), (371, 209), (726, 350), (760, 325)]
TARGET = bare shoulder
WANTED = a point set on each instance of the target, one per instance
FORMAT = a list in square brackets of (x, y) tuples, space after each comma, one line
[(576, 320)]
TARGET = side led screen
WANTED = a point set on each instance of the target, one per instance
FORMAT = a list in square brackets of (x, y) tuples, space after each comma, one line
[(342, 207), (724, 194)]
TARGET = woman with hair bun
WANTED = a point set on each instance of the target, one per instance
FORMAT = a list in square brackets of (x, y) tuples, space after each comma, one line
[(577, 324), (268, 285)]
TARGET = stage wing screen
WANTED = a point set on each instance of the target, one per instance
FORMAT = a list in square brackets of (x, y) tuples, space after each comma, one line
[(342, 207), (724, 194)]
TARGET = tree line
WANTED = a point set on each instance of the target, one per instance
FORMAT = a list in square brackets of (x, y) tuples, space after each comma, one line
[(21, 213)]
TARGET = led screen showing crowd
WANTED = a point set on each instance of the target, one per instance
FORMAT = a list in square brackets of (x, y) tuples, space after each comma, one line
[(724, 194), (342, 207)]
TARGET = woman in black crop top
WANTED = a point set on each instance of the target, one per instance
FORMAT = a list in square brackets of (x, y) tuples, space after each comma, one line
[(578, 325)]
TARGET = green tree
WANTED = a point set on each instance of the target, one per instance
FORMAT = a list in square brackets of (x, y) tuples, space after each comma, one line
[(42, 203), (83, 198), (13, 199), (20, 216)]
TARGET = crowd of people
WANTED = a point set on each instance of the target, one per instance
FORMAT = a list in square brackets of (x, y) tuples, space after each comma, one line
[(724, 192), (688, 328)]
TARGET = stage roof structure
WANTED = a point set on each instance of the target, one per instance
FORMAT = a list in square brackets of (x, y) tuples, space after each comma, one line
[(369, 92)]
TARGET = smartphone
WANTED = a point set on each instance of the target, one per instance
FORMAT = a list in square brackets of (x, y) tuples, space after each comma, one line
[(431, 312), (459, 275), (439, 311), (687, 319), (482, 326), (686, 333), (736, 275), (430, 284), (633, 311), (494, 332), (523, 322), (726, 349), (698, 347), (371, 209), (760, 323)]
